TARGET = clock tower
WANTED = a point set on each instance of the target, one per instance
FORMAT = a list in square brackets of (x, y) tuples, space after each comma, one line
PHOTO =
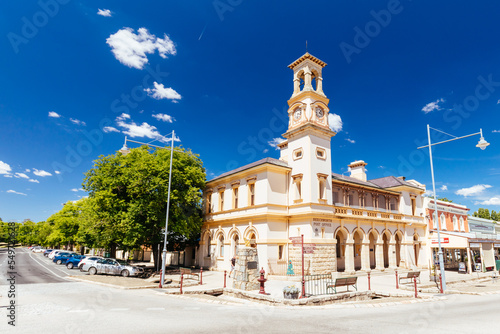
[(307, 145)]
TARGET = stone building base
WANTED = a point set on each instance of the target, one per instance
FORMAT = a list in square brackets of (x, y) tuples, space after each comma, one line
[(247, 269)]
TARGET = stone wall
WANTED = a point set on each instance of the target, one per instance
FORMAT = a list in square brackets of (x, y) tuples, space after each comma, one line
[(322, 261), (246, 279)]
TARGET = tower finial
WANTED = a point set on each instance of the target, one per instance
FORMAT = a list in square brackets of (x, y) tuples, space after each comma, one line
[(306, 45)]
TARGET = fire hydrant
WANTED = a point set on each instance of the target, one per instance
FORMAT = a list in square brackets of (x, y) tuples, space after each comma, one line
[(262, 280)]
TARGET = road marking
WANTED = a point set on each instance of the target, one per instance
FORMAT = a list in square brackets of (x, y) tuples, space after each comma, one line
[(119, 309), (155, 309), (46, 267)]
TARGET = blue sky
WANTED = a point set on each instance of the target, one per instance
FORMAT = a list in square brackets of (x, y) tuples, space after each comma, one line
[(77, 76)]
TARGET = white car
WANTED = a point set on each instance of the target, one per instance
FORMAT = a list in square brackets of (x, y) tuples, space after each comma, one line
[(39, 250), (54, 253)]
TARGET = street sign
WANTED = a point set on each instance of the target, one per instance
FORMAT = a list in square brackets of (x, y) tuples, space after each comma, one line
[(296, 240), (308, 250), (310, 245)]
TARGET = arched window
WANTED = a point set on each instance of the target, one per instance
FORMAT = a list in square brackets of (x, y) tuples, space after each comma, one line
[(455, 223), (236, 241), (443, 221), (462, 225), (221, 246), (208, 245)]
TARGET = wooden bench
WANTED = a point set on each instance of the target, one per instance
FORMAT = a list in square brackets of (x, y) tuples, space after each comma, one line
[(188, 273), (343, 281), (410, 275)]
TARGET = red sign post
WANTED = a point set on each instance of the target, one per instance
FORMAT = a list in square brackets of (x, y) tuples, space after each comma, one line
[(305, 249)]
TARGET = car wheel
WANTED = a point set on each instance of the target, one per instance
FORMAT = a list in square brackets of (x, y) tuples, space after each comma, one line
[(125, 273), (58, 262), (92, 271), (70, 265)]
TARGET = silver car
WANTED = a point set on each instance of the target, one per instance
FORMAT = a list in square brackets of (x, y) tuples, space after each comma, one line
[(113, 267), (87, 262)]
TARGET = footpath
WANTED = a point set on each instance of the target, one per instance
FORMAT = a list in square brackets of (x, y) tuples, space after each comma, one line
[(382, 292)]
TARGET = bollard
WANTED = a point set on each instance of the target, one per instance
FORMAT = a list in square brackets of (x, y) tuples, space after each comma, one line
[(225, 273), (415, 283), (160, 285), (182, 278), (201, 276), (369, 286), (262, 280), (397, 282), (440, 283)]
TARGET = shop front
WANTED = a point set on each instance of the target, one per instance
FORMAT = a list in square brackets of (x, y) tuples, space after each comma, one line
[(456, 251)]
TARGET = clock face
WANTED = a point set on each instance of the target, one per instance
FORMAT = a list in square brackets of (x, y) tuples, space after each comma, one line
[(297, 114), (319, 112)]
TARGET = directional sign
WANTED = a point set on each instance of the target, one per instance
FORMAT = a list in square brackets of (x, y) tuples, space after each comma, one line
[(310, 245), (308, 250)]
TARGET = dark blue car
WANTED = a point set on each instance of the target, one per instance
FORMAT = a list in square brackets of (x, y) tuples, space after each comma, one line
[(63, 257), (73, 261)]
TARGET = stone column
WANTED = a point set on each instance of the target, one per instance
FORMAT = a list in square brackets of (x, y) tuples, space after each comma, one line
[(392, 254), (319, 85), (379, 256), (296, 86), (469, 261), (365, 256), (349, 256)]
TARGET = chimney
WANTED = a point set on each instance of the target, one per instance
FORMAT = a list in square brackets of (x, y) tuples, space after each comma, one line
[(358, 170)]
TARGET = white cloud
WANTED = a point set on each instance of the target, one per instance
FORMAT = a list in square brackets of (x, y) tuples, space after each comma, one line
[(351, 140), (76, 190), (429, 193), (160, 93), (472, 191), (57, 172), (54, 114), (4, 168), (335, 122), (265, 150), (8, 175), (21, 176), (496, 131), (275, 141), (491, 201), (498, 102), (34, 181), (431, 106), (444, 187), (41, 173), (163, 117), (123, 117), (104, 12), (108, 129), (144, 130), (77, 122), (27, 170), (15, 192), (130, 48)]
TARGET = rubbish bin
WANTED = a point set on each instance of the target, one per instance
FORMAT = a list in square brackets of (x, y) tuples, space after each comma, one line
[(107, 254), (497, 263)]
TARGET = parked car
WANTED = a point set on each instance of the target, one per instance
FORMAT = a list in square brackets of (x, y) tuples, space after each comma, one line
[(63, 257), (74, 261), (47, 252), (54, 253), (85, 264), (113, 267), (39, 250)]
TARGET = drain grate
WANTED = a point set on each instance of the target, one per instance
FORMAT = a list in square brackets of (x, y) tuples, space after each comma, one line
[(480, 286)]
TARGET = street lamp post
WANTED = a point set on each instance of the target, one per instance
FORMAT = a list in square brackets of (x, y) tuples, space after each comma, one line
[(125, 150), (482, 145)]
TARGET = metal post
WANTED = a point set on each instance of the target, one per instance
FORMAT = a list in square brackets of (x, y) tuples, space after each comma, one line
[(303, 279), (225, 273), (201, 276), (415, 283), (397, 282), (164, 258), (441, 261), (369, 286), (441, 283), (182, 279)]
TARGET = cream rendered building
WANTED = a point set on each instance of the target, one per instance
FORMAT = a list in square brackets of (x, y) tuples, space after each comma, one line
[(355, 223)]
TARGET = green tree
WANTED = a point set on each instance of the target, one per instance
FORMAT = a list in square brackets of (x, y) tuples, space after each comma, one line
[(444, 199), (129, 198), (482, 213), (65, 224), (495, 216), (26, 233)]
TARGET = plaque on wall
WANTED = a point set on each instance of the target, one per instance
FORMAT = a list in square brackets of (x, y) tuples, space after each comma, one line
[(252, 265)]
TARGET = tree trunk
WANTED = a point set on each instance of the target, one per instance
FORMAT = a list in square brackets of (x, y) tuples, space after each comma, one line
[(113, 251), (156, 256)]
